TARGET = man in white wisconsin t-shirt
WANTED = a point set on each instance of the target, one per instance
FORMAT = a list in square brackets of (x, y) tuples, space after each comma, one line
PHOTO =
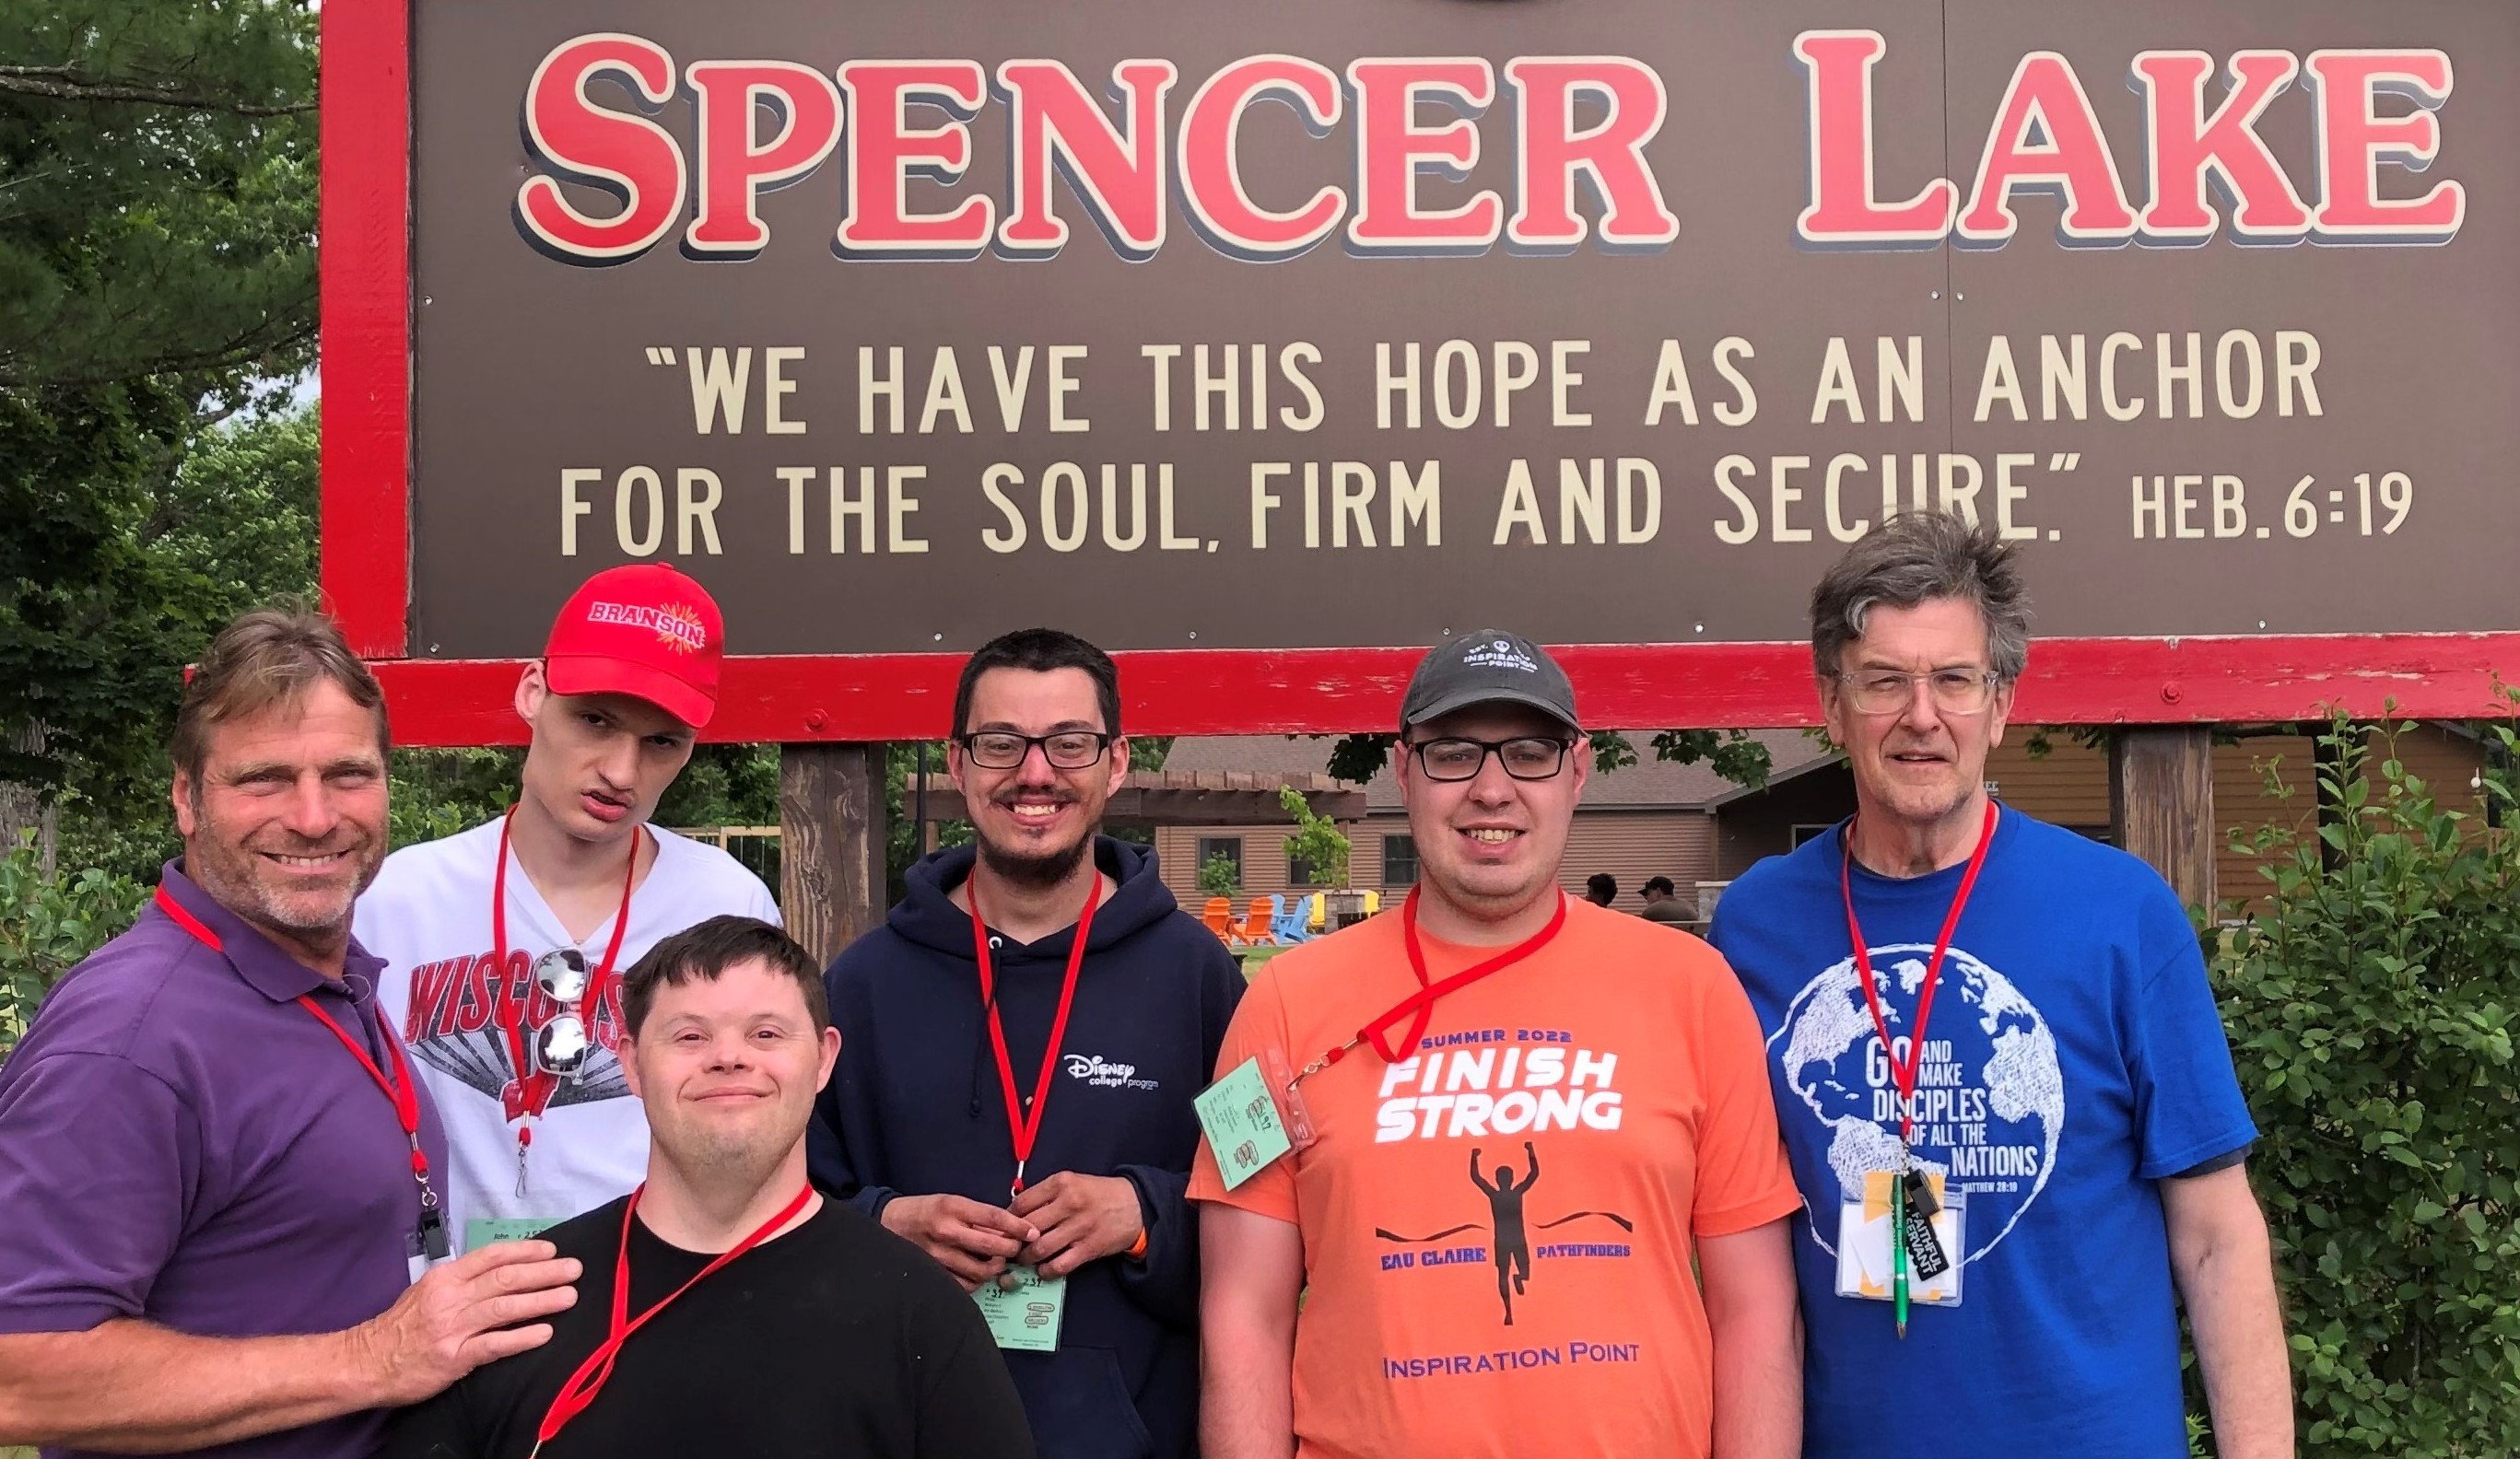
[(505, 945)]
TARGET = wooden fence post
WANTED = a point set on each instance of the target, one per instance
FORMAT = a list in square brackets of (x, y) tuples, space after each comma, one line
[(2161, 801), (831, 843)]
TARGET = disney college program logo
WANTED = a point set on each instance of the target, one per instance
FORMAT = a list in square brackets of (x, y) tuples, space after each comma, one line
[(1104, 1075), (1989, 1090)]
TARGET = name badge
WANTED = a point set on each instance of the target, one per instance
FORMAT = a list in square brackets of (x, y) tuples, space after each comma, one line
[(1024, 1317), (1937, 1227), (481, 1231), (1241, 1121)]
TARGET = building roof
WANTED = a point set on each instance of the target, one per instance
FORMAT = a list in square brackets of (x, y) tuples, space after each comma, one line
[(1649, 782)]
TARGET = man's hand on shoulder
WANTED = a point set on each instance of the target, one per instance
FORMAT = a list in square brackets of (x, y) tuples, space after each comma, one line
[(462, 1314), (972, 1241), (1081, 1219)]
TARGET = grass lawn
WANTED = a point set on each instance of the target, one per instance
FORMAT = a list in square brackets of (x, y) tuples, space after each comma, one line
[(1252, 957)]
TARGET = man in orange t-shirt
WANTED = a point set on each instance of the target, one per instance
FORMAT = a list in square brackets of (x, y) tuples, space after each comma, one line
[(1486, 1250)]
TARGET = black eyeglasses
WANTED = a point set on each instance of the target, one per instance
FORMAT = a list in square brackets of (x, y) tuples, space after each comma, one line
[(1068, 749), (1529, 757)]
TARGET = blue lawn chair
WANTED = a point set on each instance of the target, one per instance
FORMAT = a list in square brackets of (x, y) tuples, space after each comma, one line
[(1287, 919)]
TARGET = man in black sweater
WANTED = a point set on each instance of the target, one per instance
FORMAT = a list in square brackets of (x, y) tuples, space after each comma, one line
[(759, 1318)]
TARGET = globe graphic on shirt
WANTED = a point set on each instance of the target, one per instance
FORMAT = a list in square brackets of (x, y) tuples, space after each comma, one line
[(1990, 1093)]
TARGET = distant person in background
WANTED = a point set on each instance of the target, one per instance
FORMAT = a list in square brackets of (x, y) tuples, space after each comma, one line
[(1662, 902), (1600, 889)]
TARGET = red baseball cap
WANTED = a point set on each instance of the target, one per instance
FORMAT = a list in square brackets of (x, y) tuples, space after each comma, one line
[(646, 631)]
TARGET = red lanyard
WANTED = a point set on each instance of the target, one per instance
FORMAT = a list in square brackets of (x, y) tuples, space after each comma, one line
[(1022, 1123), (1906, 1077), (1419, 1006), (399, 1090), (536, 1088), (583, 1385)]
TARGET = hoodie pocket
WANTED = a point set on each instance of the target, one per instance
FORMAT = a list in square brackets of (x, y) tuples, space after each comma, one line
[(1079, 1404)]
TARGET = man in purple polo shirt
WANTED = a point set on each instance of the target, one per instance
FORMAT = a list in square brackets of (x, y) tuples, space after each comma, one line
[(216, 1207)]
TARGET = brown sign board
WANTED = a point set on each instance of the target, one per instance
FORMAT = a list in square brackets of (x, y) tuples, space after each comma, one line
[(1331, 326)]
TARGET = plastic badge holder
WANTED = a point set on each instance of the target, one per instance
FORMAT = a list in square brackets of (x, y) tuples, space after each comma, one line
[(1292, 1113)]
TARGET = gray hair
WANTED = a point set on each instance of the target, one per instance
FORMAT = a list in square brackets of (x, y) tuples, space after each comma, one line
[(1917, 557)]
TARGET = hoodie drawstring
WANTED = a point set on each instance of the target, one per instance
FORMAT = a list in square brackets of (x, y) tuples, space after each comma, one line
[(980, 1036)]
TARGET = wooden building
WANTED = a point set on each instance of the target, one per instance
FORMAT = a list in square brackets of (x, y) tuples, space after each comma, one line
[(1690, 825)]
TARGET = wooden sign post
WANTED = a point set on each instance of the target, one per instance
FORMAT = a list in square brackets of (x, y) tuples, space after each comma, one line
[(831, 843), (2161, 800)]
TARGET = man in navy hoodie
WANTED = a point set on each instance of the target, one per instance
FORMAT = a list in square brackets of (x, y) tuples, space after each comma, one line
[(1006, 1098)]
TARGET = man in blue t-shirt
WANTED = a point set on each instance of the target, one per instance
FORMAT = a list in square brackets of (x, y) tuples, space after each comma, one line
[(2073, 1130)]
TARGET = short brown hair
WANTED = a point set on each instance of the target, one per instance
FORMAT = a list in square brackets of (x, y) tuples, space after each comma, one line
[(705, 949), (270, 656)]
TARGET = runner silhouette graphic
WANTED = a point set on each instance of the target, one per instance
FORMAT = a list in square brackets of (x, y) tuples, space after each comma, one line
[(1505, 1205)]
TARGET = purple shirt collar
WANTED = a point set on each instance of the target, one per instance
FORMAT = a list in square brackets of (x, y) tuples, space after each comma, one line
[(261, 962)]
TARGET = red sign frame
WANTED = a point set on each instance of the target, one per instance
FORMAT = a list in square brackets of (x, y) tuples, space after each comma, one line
[(367, 382)]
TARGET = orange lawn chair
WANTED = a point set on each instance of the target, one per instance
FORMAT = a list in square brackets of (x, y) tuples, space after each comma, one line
[(1254, 927), (1218, 914)]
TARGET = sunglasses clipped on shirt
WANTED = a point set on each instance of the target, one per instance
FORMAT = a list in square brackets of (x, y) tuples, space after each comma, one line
[(562, 1044)]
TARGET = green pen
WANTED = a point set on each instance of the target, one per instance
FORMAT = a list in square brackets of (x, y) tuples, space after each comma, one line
[(1899, 1253)]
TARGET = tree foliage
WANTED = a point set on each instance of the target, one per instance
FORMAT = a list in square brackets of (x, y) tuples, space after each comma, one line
[(1735, 754), (157, 217), (2372, 1007), (1319, 848), (47, 925), (157, 277)]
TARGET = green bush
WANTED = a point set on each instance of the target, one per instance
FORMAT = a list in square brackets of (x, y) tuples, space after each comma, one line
[(2372, 1010), (1220, 875), (47, 925)]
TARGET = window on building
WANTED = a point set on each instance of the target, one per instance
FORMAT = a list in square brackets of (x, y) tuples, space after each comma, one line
[(1803, 833), (1399, 860), (1299, 871), (1215, 849)]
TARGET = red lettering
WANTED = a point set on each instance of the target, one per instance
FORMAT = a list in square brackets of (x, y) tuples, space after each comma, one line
[(734, 166), (2045, 136), (476, 995), (2354, 141), (1551, 151), (627, 156), (429, 1014), (2186, 145), (1392, 149), (513, 988), (609, 1024), (1838, 65), (886, 152), (1221, 209), (1118, 174)]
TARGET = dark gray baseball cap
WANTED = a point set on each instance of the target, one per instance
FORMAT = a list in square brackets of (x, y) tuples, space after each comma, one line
[(1488, 666)]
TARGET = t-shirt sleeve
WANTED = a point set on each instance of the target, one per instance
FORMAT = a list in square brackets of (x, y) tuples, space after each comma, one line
[(99, 1160), (1743, 1178), (2188, 1104), (1259, 1022), (968, 1408)]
